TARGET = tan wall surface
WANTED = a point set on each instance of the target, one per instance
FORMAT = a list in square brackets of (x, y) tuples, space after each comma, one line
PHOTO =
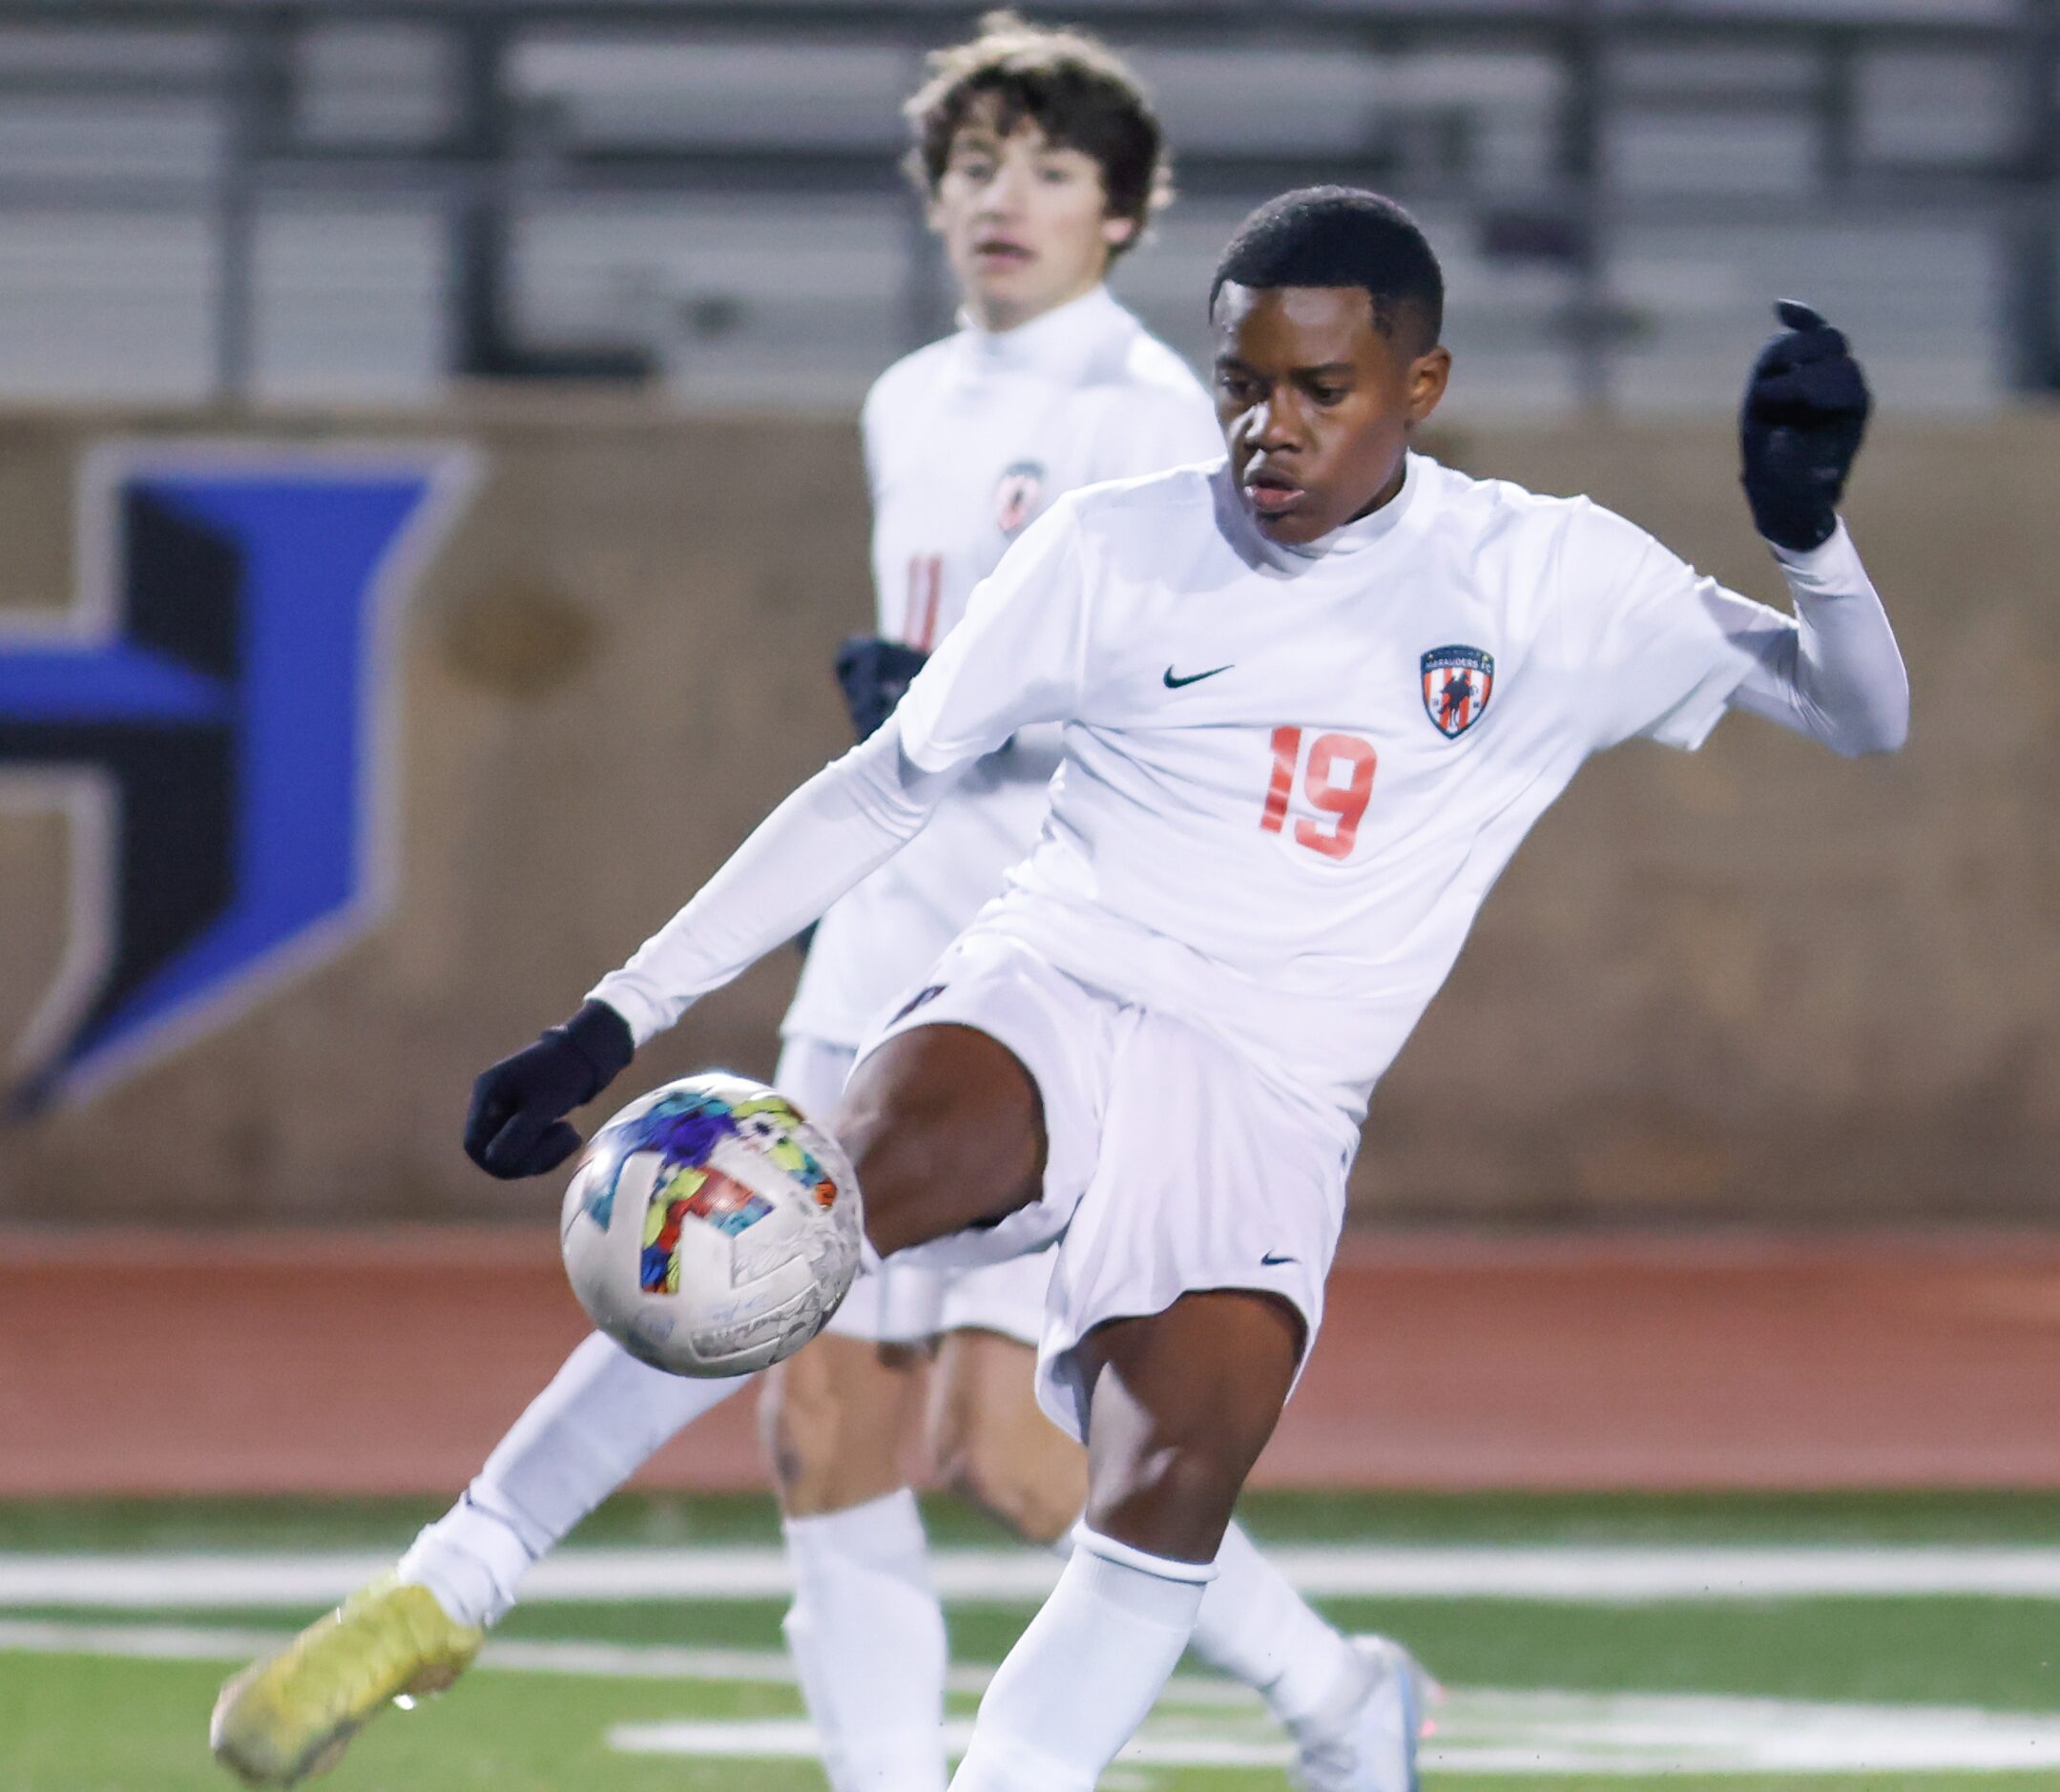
[(1754, 982)]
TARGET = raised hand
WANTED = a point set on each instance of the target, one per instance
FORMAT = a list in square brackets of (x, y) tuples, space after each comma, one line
[(1799, 427), (516, 1124)]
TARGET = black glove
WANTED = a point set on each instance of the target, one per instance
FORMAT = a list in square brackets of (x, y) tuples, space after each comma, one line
[(516, 1124), (1799, 427), (874, 673)]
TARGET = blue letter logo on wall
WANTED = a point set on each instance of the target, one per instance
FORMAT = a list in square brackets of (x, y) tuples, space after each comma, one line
[(213, 716)]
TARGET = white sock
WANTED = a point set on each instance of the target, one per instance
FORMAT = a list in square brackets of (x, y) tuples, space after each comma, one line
[(867, 1637), (602, 1417), (1081, 1678), (1258, 1629)]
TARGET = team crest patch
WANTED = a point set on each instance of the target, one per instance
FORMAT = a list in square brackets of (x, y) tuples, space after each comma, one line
[(1457, 681), (1016, 495)]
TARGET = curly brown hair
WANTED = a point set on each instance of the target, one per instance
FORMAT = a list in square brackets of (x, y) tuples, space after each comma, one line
[(1076, 90)]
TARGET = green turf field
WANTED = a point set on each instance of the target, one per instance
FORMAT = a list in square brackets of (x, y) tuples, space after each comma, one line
[(119, 1620)]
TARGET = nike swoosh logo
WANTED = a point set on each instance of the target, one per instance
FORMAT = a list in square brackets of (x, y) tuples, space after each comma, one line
[(1272, 1260), (1174, 684)]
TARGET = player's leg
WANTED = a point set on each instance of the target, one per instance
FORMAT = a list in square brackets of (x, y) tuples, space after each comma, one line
[(987, 1438), (600, 1421), (866, 1629), (1179, 1404), (416, 1628), (1188, 1285), (600, 1418), (944, 1126), (948, 1131), (1335, 1694), (992, 1441), (839, 1420)]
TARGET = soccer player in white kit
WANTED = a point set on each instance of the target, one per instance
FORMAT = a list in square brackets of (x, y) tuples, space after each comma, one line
[(1312, 697), (1041, 161)]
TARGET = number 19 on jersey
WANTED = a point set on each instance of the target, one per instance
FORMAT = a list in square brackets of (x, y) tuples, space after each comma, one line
[(1337, 782)]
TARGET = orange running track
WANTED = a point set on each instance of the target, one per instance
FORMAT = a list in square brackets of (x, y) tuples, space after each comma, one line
[(389, 1363)]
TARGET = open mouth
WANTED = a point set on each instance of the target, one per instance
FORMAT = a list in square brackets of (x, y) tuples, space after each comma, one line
[(1000, 252)]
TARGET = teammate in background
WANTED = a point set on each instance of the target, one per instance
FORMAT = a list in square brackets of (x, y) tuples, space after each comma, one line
[(1313, 698), (1042, 162)]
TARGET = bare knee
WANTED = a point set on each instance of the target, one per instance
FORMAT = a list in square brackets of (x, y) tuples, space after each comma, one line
[(1181, 1403), (946, 1129), (835, 1420), (1174, 1499), (990, 1441), (1035, 1484)]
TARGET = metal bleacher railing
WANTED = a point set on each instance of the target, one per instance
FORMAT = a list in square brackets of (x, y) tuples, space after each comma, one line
[(369, 199)]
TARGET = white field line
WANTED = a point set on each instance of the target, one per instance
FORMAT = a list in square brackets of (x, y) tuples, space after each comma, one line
[(1568, 1576), (1623, 1735), (1203, 1723), (584, 1661), (194, 1642)]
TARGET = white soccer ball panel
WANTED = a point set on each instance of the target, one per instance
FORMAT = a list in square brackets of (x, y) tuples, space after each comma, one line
[(709, 1229)]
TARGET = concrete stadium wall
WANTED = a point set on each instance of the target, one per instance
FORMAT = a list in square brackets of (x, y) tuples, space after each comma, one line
[(1755, 983)]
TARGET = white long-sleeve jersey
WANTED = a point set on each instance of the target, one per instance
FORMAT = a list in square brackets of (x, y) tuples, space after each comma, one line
[(966, 442), (1289, 778)]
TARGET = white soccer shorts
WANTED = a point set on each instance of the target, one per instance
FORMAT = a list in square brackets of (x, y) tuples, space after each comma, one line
[(1172, 1165), (904, 1302)]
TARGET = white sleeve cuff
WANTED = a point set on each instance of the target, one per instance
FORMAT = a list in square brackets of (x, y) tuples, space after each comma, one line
[(620, 991), (1830, 569)]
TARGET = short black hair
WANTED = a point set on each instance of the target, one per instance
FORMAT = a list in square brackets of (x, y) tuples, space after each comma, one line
[(1076, 90), (1342, 237)]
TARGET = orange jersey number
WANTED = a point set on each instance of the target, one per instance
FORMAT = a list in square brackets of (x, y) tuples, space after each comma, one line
[(1336, 779)]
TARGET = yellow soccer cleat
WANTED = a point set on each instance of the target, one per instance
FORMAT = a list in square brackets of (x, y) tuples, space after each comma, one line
[(291, 1714)]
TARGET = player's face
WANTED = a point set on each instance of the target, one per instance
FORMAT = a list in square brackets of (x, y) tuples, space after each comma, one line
[(1024, 222), (1316, 404)]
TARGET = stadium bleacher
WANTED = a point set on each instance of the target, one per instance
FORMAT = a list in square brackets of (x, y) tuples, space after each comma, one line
[(162, 238)]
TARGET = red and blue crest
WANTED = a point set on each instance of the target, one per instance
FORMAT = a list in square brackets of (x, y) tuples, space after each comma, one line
[(1457, 683)]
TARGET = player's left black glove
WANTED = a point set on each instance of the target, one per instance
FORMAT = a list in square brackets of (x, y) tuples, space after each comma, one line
[(1799, 427), (875, 674), (516, 1124)]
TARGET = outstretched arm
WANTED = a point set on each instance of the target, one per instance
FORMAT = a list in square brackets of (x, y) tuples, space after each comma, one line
[(845, 822), (848, 820), (1013, 662)]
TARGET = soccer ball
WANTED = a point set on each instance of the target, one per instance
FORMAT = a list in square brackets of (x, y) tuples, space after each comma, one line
[(710, 1229)]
